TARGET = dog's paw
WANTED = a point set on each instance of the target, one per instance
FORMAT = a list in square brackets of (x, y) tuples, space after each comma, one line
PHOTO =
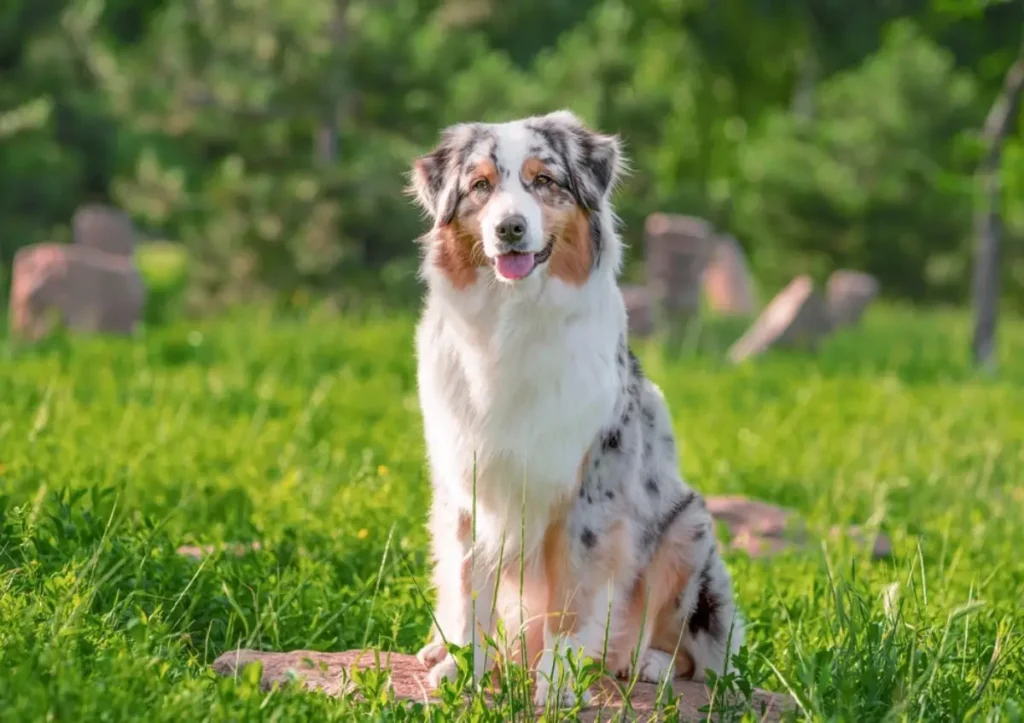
[(654, 666), (563, 697), (445, 669), (555, 682), (431, 654), (443, 665)]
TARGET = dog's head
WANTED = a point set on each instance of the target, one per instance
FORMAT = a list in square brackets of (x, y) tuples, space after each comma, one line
[(526, 200)]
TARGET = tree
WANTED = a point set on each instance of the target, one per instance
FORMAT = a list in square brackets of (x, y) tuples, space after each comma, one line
[(988, 218)]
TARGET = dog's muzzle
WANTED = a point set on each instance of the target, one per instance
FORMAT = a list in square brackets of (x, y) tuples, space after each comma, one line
[(516, 265)]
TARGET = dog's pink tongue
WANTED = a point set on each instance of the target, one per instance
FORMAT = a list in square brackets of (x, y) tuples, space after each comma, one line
[(514, 266)]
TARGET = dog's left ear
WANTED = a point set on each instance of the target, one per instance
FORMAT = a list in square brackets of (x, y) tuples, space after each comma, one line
[(435, 176), (596, 161)]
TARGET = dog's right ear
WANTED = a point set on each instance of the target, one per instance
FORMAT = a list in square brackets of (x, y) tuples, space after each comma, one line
[(435, 177)]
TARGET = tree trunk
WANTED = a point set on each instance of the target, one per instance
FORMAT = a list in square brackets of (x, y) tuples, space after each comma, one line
[(327, 141), (988, 219)]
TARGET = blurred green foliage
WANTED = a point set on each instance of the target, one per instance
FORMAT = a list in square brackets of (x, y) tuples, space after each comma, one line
[(164, 267), (819, 133)]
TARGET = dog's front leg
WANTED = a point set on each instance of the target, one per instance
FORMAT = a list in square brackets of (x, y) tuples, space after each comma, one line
[(465, 586), (582, 570)]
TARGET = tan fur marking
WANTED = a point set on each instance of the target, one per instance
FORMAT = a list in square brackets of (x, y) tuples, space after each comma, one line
[(465, 532), (611, 551), (628, 630), (460, 250), (669, 577), (559, 616), (556, 564), (533, 167), (571, 257), (484, 170), (652, 605), (460, 244), (571, 591), (582, 468), (527, 641)]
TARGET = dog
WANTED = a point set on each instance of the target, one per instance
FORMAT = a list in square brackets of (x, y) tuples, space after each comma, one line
[(557, 501)]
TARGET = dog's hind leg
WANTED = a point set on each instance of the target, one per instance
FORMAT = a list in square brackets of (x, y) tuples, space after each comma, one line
[(584, 568), (700, 625)]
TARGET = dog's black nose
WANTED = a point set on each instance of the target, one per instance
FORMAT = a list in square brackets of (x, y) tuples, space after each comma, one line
[(511, 228)]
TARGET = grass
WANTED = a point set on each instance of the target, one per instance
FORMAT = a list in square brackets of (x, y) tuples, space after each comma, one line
[(304, 434)]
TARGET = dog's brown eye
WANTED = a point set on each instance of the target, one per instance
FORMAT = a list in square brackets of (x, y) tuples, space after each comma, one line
[(542, 180), (482, 186)]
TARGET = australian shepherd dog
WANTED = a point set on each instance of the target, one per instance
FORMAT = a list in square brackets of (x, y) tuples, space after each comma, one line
[(558, 504)]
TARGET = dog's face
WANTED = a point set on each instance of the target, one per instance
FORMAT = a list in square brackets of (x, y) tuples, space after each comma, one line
[(525, 199)]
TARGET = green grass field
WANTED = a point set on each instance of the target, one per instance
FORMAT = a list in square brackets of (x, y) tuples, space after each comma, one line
[(304, 434)]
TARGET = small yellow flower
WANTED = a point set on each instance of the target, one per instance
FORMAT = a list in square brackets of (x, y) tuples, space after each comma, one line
[(363, 534), (382, 471)]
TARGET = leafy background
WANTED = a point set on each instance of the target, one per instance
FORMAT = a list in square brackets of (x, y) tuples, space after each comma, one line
[(262, 145), (272, 138)]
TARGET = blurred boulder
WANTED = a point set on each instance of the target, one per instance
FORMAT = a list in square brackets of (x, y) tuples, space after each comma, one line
[(79, 286), (728, 284), (677, 251), (796, 318), (104, 228), (756, 527), (638, 310), (848, 294), (761, 529)]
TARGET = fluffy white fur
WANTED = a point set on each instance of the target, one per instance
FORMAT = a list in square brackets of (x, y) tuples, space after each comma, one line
[(524, 385)]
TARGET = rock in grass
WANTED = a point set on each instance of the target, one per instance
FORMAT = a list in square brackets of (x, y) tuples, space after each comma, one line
[(728, 284), (331, 674), (104, 228), (849, 293), (197, 552), (796, 317), (762, 529), (639, 311), (677, 249), (78, 286)]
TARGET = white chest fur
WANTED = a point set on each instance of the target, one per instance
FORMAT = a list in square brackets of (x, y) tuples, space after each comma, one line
[(513, 393)]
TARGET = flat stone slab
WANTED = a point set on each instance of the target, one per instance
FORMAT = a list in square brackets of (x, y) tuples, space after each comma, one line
[(331, 674), (796, 318), (761, 529), (197, 552)]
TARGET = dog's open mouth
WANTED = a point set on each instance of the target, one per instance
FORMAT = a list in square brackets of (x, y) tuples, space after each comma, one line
[(515, 265)]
